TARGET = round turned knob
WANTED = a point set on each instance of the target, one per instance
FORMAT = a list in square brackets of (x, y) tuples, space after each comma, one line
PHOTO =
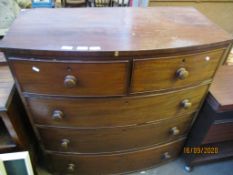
[(71, 167), (182, 73), (166, 156), (174, 131), (57, 115), (70, 81), (186, 104), (65, 143)]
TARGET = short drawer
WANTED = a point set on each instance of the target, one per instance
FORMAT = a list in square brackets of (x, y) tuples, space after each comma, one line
[(114, 163), (114, 112), (85, 78), (173, 72), (113, 139), (219, 132)]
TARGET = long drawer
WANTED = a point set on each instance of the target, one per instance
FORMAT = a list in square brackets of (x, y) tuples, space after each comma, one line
[(113, 139), (78, 78), (173, 72), (114, 163), (114, 112)]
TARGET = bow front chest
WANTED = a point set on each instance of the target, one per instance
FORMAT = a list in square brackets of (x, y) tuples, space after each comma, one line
[(113, 90)]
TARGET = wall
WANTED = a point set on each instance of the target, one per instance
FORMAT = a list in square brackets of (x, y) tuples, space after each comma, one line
[(219, 11)]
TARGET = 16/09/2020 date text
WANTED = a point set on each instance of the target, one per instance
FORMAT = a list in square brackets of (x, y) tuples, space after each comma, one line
[(201, 150)]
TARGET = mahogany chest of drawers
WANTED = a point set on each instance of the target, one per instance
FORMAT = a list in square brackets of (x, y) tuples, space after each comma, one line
[(113, 90)]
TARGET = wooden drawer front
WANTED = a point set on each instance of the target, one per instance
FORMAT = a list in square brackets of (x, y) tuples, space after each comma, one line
[(72, 79), (113, 112), (162, 73), (113, 139), (219, 133), (115, 163)]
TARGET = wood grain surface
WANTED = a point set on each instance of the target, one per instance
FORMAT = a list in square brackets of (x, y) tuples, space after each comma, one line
[(219, 132), (221, 94), (159, 74), (113, 112), (93, 78), (115, 163), (113, 139), (109, 30)]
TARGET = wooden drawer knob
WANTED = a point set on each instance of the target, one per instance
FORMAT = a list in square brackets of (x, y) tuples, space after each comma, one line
[(166, 156), (70, 81), (182, 73), (57, 115), (174, 131), (186, 104), (71, 167), (65, 143)]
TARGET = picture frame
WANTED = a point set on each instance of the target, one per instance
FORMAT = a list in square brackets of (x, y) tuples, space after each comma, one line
[(17, 163)]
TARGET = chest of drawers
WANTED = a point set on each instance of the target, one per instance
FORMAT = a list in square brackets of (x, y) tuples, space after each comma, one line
[(113, 90)]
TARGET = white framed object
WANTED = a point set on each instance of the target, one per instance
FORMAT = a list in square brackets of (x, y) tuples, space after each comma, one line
[(2, 168), (17, 163)]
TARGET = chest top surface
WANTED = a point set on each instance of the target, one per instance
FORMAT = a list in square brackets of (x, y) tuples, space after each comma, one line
[(112, 29)]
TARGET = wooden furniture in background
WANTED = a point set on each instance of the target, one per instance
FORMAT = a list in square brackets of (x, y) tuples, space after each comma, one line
[(213, 129), (107, 95), (95, 3), (74, 3), (6, 92), (109, 3), (15, 130), (12, 131)]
